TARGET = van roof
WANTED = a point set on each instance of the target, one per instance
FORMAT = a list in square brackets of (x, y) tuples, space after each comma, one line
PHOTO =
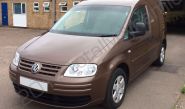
[(110, 2)]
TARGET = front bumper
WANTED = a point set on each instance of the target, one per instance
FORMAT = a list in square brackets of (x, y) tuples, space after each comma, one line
[(84, 93), (51, 99)]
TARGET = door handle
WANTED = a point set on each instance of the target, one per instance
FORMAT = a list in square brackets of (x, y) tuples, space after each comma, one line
[(129, 51)]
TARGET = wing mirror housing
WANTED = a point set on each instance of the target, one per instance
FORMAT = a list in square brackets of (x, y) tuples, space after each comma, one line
[(140, 30)]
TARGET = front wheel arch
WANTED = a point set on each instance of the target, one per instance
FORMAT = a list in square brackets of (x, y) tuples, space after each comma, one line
[(108, 104), (126, 69)]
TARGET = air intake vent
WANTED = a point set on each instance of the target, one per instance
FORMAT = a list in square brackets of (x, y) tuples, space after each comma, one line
[(46, 69)]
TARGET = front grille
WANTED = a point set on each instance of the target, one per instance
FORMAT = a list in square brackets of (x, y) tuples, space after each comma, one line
[(67, 101), (46, 69)]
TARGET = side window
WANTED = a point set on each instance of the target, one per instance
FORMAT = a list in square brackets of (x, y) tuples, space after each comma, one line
[(139, 16)]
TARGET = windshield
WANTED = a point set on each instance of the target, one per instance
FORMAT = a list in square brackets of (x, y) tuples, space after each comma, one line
[(92, 21)]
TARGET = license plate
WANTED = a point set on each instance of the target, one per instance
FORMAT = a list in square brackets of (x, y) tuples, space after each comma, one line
[(42, 86)]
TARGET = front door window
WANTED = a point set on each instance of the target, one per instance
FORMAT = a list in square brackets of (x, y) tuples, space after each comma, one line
[(19, 8), (139, 15)]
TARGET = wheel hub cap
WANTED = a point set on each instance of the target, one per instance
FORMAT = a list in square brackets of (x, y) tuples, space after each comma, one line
[(118, 89), (162, 55)]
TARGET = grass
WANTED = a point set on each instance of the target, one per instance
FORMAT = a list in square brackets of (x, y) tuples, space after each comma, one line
[(183, 90)]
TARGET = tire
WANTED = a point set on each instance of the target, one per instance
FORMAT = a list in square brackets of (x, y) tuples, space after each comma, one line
[(161, 59), (111, 102)]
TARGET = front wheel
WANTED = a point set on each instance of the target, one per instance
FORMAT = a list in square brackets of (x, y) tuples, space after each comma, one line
[(116, 89), (160, 61)]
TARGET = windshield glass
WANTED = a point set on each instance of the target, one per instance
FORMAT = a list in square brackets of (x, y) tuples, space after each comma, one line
[(92, 21)]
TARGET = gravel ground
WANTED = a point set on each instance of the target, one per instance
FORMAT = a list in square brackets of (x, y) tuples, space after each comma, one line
[(180, 103)]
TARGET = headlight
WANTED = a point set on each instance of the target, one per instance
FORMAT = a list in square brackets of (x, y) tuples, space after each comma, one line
[(16, 59), (81, 70)]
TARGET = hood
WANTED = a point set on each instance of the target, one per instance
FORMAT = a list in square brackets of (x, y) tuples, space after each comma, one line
[(63, 49)]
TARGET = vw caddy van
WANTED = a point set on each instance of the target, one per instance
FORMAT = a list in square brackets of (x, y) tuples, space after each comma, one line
[(91, 54)]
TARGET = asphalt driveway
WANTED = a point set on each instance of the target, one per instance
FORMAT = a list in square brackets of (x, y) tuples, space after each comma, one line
[(157, 88)]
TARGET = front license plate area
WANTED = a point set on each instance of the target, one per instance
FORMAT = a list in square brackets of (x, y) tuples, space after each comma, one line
[(34, 84)]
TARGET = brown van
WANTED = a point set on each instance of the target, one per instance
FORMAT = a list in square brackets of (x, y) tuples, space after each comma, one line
[(91, 54)]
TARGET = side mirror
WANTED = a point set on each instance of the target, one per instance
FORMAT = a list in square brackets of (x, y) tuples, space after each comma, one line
[(140, 30)]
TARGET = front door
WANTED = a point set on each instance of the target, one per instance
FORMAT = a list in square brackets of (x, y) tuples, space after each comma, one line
[(139, 51), (4, 8), (19, 15)]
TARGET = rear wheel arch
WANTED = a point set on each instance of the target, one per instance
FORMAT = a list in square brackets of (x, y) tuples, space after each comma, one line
[(164, 42)]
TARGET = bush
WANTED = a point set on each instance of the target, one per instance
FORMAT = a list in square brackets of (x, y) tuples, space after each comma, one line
[(183, 90)]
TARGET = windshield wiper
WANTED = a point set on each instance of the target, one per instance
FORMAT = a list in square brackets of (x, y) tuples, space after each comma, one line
[(108, 35)]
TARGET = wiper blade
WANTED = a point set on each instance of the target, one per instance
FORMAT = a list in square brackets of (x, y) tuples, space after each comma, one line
[(108, 35)]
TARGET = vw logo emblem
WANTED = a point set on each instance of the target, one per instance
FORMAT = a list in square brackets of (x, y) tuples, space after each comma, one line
[(36, 67)]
